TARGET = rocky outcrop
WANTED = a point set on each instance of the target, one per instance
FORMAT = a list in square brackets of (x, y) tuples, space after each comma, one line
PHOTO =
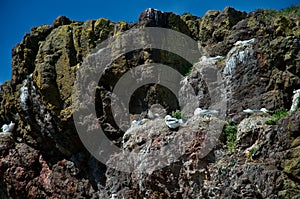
[(263, 171), (249, 60), (176, 178)]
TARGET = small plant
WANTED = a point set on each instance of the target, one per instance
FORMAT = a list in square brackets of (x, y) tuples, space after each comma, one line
[(176, 114), (271, 122), (277, 116), (249, 154), (230, 132), (280, 114), (253, 150)]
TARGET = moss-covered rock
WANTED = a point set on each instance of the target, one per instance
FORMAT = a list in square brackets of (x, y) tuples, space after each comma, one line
[(193, 24), (206, 26)]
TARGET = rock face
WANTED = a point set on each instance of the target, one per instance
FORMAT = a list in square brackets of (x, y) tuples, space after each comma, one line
[(183, 177), (252, 60)]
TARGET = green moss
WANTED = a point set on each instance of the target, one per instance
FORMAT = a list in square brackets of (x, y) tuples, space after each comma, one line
[(291, 164), (230, 133), (176, 23), (102, 28), (261, 17), (206, 25), (283, 26)]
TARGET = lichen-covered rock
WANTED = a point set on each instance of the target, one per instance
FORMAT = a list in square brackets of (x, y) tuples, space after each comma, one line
[(290, 163)]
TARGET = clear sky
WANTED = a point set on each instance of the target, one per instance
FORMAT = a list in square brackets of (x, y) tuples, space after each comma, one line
[(18, 16)]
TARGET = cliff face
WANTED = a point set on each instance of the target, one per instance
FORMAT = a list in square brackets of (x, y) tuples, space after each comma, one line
[(257, 57)]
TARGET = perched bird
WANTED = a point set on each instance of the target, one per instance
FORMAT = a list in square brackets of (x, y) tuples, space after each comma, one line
[(238, 43), (296, 91), (172, 122), (262, 110), (138, 122), (199, 111), (295, 101), (8, 127)]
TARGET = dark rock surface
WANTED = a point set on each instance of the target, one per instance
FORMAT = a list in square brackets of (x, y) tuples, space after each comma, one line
[(259, 66)]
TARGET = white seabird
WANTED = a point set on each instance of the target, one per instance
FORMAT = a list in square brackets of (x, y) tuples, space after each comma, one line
[(172, 122), (199, 111), (114, 196), (295, 101), (138, 122), (8, 127), (296, 91), (262, 110), (250, 41)]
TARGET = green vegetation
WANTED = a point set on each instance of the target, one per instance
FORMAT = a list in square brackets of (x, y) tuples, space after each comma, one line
[(277, 116), (291, 10), (280, 114), (250, 154), (271, 122), (186, 71), (230, 132), (253, 150), (177, 114)]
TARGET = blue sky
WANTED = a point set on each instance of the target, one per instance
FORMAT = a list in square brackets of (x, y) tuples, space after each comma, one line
[(18, 16)]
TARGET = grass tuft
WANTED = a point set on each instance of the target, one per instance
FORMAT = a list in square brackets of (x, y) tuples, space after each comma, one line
[(230, 132), (177, 114), (277, 116)]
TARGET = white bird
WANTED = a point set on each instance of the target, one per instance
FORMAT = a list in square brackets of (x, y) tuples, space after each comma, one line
[(295, 101), (262, 110), (296, 91), (138, 122), (114, 196), (8, 127), (172, 122), (238, 43), (199, 111)]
